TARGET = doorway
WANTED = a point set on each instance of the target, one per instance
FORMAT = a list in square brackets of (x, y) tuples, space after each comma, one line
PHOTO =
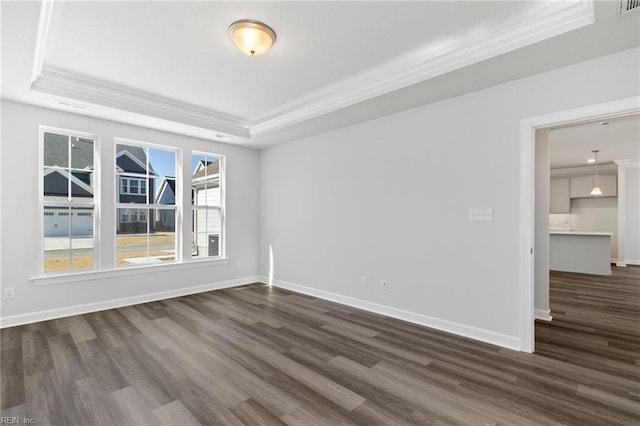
[(527, 202)]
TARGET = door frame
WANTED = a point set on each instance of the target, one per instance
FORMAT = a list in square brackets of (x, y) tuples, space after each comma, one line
[(528, 128)]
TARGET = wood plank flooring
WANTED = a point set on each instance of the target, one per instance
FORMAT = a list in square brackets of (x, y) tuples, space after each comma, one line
[(596, 321), (256, 355)]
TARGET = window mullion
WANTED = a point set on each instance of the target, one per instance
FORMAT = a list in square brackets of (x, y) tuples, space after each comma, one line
[(69, 233), (68, 169)]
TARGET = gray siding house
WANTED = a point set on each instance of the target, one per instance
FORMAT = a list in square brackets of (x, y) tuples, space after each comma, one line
[(62, 176)]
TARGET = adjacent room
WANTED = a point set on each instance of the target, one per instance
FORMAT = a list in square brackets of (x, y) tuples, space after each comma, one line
[(320, 213)]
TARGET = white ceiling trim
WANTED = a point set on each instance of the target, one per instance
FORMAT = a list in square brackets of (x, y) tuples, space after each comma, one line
[(544, 22), (78, 87), (604, 169), (88, 89), (41, 38), (547, 20)]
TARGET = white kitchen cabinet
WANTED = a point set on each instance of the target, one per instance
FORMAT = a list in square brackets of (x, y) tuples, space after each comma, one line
[(559, 201), (581, 186)]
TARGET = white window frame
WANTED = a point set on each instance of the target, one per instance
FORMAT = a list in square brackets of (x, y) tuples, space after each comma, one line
[(70, 203), (178, 258), (193, 208)]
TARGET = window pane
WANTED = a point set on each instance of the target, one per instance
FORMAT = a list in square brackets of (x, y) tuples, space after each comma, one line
[(56, 150), (132, 239), (56, 239), (57, 261), (81, 153), (206, 232), (162, 242), (164, 220), (164, 189), (163, 163), (131, 159), (55, 184), (82, 241), (82, 184), (129, 192), (163, 171), (205, 181)]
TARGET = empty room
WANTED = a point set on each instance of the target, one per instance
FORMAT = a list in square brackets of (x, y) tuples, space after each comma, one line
[(320, 212)]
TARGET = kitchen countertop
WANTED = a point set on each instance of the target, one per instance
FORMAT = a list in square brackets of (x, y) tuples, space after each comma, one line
[(552, 232)]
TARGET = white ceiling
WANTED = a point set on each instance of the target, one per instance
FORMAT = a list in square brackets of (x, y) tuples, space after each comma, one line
[(572, 146), (171, 65), (183, 51)]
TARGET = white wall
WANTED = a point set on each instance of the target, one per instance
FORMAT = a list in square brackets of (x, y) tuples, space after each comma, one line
[(632, 235), (389, 198), (596, 215), (541, 217), (20, 215)]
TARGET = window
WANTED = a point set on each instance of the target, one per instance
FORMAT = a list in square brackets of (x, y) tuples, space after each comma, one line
[(207, 201), (145, 203), (68, 203), (133, 215), (133, 186), (147, 219)]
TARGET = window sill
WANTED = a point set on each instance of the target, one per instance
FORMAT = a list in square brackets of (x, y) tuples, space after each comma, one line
[(50, 279)]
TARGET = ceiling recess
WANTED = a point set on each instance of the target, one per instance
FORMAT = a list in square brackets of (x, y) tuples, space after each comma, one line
[(628, 6)]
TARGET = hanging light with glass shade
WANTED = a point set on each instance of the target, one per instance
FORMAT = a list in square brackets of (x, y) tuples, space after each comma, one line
[(596, 189)]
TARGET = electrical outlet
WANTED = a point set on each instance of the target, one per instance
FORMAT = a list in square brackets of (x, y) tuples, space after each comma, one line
[(385, 285), (365, 281), (8, 293)]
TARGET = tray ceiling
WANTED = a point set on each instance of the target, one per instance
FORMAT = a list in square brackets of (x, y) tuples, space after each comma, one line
[(171, 65)]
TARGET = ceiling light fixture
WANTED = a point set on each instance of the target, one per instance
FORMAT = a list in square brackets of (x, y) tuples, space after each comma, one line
[(252, 37), (596, 189)]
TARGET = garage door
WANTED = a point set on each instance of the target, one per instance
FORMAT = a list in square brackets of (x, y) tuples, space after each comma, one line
[(56, 222)]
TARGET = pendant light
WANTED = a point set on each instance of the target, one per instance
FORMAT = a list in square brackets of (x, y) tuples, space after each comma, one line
[(596, 189)]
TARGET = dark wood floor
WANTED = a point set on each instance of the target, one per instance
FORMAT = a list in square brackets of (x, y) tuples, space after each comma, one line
[(257, 355), (596, 322)]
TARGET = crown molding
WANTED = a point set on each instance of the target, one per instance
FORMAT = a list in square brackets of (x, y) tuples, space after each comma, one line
[(88, 89), (603, 169), (543, 22), (41, 38)]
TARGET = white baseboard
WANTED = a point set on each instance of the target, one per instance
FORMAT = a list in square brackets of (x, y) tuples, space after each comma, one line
[(543, 314), (509, 342), (31, 317), (623, 263)]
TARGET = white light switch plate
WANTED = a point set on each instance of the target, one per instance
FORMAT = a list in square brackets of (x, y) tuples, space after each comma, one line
[(480, 215)]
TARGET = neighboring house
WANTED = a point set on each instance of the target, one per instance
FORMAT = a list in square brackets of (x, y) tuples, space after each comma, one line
[(165, 220), (205, 192), (132, 188)]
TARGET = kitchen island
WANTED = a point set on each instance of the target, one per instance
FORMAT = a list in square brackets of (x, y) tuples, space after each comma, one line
[(578, 251)]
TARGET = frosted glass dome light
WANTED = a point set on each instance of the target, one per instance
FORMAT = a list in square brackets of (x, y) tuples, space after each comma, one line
[(252, 37)]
